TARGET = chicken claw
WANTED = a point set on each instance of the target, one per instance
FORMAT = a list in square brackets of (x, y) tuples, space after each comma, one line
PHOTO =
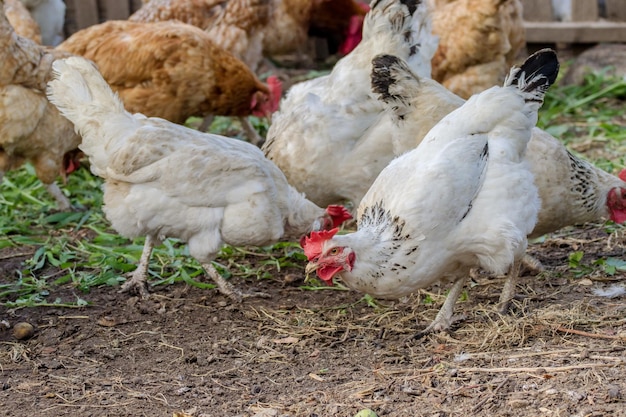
[(444, 319), (135, 286), (228, 289)]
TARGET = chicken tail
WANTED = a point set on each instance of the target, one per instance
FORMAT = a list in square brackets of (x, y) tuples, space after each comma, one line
[(403, 28), (535, 75), (394, 82), (84, 97)]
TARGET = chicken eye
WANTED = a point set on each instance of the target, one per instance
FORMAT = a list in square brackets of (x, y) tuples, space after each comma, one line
[(334, 251)]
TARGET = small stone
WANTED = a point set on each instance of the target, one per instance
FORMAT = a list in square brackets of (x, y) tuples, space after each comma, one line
[(23, 330), (576, 396), (518, 403), (183, 390), (614, 393)]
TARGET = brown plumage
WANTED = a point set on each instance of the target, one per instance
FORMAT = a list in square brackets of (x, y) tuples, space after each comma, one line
[(169, 69), (235, 25), (31, 129), (22, 21), (478, 42), (291, 21)]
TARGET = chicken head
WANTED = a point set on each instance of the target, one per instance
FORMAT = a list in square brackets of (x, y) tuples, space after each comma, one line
[(616, 201), (263, 105), (336, 216), (327, 262)]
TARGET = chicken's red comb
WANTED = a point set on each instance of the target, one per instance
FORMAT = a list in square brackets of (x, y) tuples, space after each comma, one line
[(276, 91), (338, 214), (622, 174), (312, 244), (354, 35), (364, 7)]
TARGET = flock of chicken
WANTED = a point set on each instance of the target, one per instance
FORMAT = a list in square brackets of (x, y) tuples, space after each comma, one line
[(440, 185)]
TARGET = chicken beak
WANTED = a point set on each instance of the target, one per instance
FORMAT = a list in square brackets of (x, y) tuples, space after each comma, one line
[(311, 267)]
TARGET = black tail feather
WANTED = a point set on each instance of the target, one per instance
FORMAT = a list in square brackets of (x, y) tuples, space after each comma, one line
[(410, 4), (539, 71), (382, 79)]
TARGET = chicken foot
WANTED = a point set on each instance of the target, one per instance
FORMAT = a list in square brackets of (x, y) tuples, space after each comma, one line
[(227, 288), (443, 320), (137, 284)]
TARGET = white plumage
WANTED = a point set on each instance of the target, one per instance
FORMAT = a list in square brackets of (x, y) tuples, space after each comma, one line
[(326, 127), (463, 198), (165, 180)]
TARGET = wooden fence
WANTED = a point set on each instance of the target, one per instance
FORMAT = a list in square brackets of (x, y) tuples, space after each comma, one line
[(83, 13), (588, 23)]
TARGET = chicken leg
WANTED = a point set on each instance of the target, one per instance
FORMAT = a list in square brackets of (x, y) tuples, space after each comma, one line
[(228, 289), (63, 203), (137, 284), (206, 123), (443, 320), (253, 136), (508, 291)]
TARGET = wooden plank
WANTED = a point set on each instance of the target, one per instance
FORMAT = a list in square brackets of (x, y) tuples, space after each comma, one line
[(575, 32), (538, 10), (114, 10), (80, 14), (584, 10), (616, 10)]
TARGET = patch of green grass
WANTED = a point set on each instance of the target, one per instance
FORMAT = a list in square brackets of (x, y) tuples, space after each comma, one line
[(231, 126), (608, 266), (589, 119), (81, 250)]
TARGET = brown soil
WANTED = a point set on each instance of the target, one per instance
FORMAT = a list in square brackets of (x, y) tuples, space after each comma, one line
[(561, 352)]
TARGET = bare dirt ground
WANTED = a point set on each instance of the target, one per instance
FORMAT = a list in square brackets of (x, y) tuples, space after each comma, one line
[(325, 353), (562, 351)]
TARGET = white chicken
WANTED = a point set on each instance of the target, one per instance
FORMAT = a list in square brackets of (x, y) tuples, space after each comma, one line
[(463, 198), (572, 190), (327, 126), (166, 180)]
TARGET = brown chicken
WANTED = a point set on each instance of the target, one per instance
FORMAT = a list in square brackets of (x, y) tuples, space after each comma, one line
[(22, 21), (174, 71), (478, 42), (31, 129), (339, 22), (292, 20), (235, 25)]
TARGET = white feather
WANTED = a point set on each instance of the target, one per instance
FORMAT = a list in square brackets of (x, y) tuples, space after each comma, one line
[(614, 291)]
